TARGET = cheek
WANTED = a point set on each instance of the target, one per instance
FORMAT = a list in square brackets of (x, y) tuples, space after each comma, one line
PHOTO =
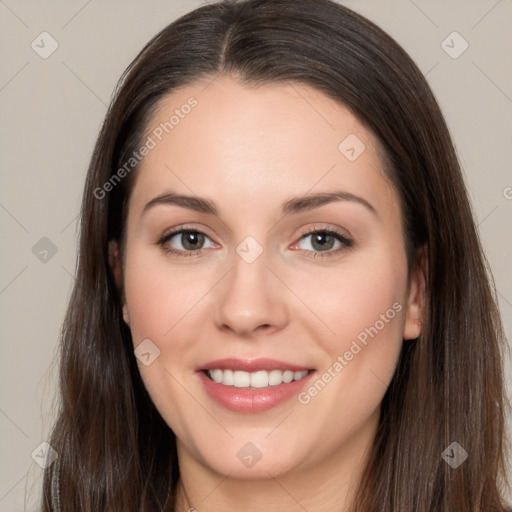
[(157, 295), (362, 299), (161, 303), (362, 307)]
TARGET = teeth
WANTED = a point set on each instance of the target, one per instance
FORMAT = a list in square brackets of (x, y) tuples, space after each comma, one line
[(241, 379), (259, 379), (227, 377)]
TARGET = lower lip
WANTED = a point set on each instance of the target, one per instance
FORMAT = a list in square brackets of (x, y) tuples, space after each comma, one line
[(251, 400)]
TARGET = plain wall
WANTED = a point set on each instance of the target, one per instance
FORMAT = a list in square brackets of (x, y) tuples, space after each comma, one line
[(52, 110)]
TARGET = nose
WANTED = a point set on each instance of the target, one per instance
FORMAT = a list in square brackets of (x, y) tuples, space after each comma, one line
[(251, 299)]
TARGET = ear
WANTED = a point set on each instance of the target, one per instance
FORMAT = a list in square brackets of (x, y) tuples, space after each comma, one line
[(416, 296), (116, 266)]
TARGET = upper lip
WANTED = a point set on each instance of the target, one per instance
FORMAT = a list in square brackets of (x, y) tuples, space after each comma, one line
[(251, 365)]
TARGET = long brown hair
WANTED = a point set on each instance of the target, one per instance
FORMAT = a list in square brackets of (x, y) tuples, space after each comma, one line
[(115, 450)]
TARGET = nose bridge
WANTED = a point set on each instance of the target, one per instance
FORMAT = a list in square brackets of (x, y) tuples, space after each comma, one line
[(248, 297)]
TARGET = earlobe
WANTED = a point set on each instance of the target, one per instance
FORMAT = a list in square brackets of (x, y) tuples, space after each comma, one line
[(126, 316), (417, 296), (116, 267)]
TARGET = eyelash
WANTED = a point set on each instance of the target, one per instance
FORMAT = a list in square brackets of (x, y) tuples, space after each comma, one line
[(346, 242)]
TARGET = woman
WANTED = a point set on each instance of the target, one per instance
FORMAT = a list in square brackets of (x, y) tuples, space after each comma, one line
[(253, 150)]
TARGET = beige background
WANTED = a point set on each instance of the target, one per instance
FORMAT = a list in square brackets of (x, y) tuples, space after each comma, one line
[(51, 113)]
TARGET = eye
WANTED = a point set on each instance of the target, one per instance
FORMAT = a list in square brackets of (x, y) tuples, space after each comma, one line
[(185, 242), (322, 240)]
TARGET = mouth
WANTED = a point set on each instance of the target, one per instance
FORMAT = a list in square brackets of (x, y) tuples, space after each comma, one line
[(255, 380), (253, 385)]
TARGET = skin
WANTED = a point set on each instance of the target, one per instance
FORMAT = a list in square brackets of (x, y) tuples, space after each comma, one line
[(249, 150)]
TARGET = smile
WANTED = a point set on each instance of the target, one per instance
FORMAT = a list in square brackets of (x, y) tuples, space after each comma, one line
[(247, 385), (259, 379)]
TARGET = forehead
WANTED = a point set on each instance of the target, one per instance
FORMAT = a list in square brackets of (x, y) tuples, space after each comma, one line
[(259, 145)]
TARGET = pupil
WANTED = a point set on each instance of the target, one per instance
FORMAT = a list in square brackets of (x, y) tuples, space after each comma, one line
[(319, 238), (191, 239)]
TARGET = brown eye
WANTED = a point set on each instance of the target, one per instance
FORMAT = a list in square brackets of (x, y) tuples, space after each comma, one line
[(325, 240), (185, 242), (192, 240), (322, 241)]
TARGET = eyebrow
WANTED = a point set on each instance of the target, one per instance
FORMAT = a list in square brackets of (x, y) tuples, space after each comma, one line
[(294, 205)]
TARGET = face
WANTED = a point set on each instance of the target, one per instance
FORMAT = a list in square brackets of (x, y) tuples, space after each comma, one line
[(268, 307)]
